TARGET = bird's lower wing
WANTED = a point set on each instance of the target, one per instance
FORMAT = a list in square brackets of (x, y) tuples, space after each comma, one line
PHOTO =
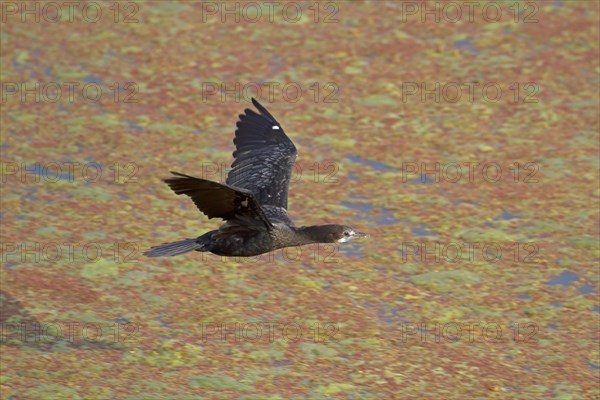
[(217, 200)]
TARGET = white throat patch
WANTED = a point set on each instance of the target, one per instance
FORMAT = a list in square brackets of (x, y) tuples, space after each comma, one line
[(346, 238)]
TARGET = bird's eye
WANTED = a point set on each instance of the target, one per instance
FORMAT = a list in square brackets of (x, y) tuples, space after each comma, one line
[(346, 233)]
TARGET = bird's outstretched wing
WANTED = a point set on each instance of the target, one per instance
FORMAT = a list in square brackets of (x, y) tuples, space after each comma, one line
[(264, 158), (217, 200)]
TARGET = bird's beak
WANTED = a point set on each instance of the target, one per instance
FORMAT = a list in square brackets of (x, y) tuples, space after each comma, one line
[(360, 235)]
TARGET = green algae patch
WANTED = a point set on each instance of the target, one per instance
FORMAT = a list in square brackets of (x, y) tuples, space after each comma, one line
[(218, 382), (446, 281), (100, 270), (584, 242), (335, 388), (317, 350), (53, 392)]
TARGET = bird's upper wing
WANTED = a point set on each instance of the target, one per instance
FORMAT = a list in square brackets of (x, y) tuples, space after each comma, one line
[(217, 200), (264, 158)]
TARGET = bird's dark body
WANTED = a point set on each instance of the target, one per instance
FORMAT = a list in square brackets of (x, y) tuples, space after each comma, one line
[(243, 245), (253, 200)]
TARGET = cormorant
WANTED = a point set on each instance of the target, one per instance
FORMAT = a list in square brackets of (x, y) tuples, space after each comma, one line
[(253, 200)]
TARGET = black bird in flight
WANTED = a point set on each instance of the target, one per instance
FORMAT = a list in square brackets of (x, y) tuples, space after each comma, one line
[(253, 200)]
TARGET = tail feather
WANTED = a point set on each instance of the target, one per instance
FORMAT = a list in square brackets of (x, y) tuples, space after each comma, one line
[(174, 248)]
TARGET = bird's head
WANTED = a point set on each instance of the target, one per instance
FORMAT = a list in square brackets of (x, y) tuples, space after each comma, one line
[(338, 233), (346, 233)]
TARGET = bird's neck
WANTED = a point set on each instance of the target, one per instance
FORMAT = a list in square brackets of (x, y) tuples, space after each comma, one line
[(311, 234)]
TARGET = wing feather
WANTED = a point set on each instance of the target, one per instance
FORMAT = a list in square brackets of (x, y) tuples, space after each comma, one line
[(264, 157), (217, 200)]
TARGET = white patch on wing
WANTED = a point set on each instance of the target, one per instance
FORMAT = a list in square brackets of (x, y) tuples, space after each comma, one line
[(275, 127), (245, 203)]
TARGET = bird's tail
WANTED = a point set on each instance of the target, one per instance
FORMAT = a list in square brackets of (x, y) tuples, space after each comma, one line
[(175, 248)]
